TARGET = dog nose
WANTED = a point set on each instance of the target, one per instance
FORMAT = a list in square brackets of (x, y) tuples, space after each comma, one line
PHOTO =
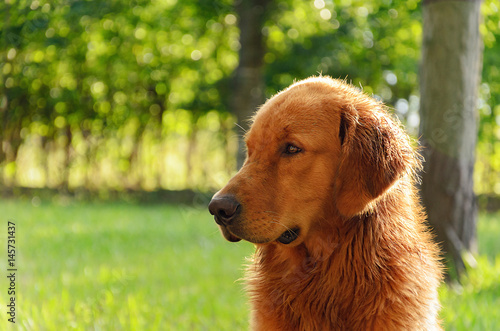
[(224, 208)]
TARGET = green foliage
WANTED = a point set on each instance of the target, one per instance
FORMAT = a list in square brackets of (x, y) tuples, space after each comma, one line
[(488, 148), (151, 267), (374, 44), (108, 84), (92, 91)]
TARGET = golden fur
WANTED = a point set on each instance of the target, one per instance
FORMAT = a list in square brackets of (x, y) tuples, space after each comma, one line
[(363, 258)]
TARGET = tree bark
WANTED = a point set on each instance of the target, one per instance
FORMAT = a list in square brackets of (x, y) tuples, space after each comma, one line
[(450, 77), (248, 81)]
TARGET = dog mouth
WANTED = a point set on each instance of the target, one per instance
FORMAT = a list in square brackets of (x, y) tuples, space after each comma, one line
[(285, 238), (228, 235), (289, 236)]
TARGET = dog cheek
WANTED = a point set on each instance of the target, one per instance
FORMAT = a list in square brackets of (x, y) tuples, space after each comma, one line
[(305, 191)]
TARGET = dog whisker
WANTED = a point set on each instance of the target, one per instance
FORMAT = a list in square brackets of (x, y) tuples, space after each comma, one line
[(242, 128), (270, 212), (283, 225)]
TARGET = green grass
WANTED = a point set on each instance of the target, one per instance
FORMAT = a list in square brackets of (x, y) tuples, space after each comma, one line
[(127, 267), (122, 267), (473, 304)]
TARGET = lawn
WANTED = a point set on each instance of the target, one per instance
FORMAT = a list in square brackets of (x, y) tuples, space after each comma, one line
[(116, 266)]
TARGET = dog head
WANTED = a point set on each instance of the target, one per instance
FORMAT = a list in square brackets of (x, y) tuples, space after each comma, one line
[(318, 148)]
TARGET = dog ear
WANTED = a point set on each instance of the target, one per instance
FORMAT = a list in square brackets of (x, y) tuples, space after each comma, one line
[(375, 153)]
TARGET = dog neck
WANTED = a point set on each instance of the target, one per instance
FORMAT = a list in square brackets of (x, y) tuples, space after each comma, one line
[(352, 261), (292, 277)]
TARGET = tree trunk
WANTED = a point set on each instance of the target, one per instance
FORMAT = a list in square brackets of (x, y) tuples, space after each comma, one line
[(248, 82), (450, 77)]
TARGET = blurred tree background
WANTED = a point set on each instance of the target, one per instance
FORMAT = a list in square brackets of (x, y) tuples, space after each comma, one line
[(137, 95)]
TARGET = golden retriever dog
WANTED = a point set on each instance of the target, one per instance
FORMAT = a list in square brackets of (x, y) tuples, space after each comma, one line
[(327, 195)]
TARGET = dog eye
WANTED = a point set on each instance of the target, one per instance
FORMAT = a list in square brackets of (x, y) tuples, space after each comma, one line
[(292, 149)]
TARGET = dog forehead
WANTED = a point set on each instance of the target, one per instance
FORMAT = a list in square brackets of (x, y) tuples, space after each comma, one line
[(300, 110), (266, 130), (278, 122)]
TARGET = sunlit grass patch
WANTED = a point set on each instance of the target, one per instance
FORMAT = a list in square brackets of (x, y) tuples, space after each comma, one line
[(473, 303), (122, 267)]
